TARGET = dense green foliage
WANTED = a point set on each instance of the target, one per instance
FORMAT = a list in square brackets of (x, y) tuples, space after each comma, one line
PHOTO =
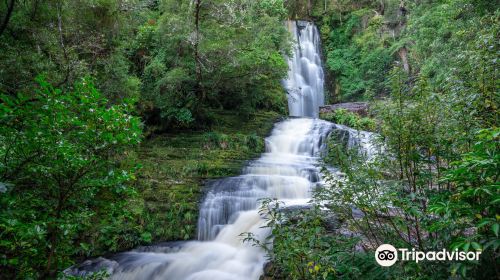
[(359, 45), (228, 60), (306, 244), (64, 188), (357, 55), (125, 208), (474, 200), (81, 80), (70, 182), (434, 183), (178, 59), (66, 40)]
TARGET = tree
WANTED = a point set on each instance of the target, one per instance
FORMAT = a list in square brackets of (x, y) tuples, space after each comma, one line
[(60, 170), (65, 40), (196, 43), (214, 54)]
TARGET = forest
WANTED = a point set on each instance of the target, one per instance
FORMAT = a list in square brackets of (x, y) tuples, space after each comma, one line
[(120, 119)]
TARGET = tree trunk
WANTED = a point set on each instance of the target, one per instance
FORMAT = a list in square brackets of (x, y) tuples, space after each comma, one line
[(5, 22), (52, 232), (199, 75), (63, 46)]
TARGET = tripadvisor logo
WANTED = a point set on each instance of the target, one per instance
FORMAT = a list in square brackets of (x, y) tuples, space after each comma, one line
[(387, 255)]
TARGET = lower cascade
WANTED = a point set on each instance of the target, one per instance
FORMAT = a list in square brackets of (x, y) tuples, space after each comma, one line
[(288, 170)]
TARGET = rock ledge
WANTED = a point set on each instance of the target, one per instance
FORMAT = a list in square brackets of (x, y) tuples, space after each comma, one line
[(360, 108)]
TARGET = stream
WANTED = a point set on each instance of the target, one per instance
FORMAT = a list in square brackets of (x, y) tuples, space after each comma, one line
[(288, 170)]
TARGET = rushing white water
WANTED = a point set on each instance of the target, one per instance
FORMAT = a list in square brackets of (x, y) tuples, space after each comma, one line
[(364, 141), (305, 81), (288, 171)]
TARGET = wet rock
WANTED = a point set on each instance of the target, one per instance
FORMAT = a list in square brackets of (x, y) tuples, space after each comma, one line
[(340, 136), (89, 267), (162, 247), (356, 213), (295, 209), (271, 272), (295, 213), (268, 268), (331, 222), (360, 108)]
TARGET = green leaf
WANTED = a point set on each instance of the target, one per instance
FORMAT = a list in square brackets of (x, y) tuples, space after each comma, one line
[(495, 228), (476, 245), (483, 222), (466, 246)]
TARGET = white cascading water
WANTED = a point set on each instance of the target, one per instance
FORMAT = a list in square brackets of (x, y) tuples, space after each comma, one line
[(288, 171), (305, 81)]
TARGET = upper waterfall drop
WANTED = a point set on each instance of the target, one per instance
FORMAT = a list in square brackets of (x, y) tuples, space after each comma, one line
[(305, 82)]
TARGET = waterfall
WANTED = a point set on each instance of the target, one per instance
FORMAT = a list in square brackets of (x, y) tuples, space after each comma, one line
[(305, 82), (288, 171)]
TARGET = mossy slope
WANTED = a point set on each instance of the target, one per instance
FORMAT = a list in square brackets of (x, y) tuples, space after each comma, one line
[(175, 165)]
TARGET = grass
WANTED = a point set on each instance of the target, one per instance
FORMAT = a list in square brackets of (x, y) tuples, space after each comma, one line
[(175, 165)]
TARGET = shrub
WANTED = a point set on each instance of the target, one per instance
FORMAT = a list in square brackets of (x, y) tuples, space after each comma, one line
[(62, 176)]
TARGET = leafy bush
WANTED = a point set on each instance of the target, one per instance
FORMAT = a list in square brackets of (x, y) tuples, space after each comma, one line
[(356, 51), (63, 184), (304, 246), (472, 203), (254, 142)]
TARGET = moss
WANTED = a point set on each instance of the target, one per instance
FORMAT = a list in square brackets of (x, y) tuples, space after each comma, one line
[(175, 165)]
